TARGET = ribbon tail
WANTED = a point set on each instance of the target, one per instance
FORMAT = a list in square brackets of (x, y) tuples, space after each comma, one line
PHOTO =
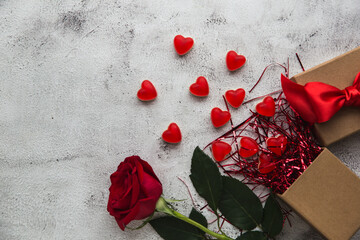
[(298, 99), (357, 82)]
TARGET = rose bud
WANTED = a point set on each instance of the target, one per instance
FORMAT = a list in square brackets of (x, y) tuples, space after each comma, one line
[(134, 191)]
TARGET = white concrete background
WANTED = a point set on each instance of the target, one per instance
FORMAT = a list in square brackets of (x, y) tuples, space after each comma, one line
[(69, 73)]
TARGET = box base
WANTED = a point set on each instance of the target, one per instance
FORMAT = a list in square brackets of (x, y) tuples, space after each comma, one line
[(327, 195)]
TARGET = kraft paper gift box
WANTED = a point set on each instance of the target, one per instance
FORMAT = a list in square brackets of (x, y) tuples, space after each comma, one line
[(327, 194)]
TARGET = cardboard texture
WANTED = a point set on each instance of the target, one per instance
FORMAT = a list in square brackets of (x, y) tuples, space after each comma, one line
[(339, 72), (327, 195)]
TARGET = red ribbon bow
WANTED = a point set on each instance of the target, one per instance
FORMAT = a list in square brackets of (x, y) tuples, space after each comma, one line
[(317, 101)]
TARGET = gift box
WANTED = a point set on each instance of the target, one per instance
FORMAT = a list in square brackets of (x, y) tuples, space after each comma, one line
[(339, 72), (327, 195)]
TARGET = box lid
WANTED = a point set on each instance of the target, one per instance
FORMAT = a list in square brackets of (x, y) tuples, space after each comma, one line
[(339, 72)]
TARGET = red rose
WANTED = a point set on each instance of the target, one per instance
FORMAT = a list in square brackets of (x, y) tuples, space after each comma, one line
[(134, 191)]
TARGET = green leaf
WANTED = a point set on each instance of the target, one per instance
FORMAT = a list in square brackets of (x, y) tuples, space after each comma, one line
[(252, 236), (206, 178), (170, 228), (273, 218), (240, 205), (198, 217)]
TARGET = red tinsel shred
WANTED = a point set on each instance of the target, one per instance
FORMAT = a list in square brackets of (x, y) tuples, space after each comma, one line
[(301, 150)]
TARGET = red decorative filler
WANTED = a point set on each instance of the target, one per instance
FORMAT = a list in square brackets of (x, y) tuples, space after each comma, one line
[(266, 107), (147, 91), (248, 147), (234, 61), (220, 150), (219, 117), (271, 170), (266, 163), (200, 88), (183, 45), (172, 134), (235, 97), (277, 144)]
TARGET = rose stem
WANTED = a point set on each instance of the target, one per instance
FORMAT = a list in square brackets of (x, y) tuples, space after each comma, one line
[(162, 206)]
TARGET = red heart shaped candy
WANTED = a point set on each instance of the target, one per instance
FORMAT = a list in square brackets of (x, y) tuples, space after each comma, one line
[(266, 107), (147, 91), (183, 45), (277, 145), (234, 61), (235, 97), (200, 88), (220, 150), (172, 134), (266, 165), (248, 147), (219, 117)]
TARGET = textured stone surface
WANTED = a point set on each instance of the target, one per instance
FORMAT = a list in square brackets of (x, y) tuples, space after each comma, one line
[(69, 75)]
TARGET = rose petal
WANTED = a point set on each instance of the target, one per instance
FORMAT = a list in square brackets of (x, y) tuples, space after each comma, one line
[(143, 209), (123, 203), (150, 187), (140, 171), (146, 208), (148, 169), (123, 221), (123, 169), (135, 190), (119, 191), (120, 223)]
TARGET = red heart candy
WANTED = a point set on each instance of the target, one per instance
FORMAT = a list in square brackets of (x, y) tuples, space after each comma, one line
[(219, 117), (266, 164), (183, 45), (220, 150), (147, 91), (277, 145), (235, 97), (266, 107), (172, 134), (234, 61), (200, 88), (248, 147)]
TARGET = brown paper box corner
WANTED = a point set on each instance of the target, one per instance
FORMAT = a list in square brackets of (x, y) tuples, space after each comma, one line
[(339, 72), (327, 195)]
